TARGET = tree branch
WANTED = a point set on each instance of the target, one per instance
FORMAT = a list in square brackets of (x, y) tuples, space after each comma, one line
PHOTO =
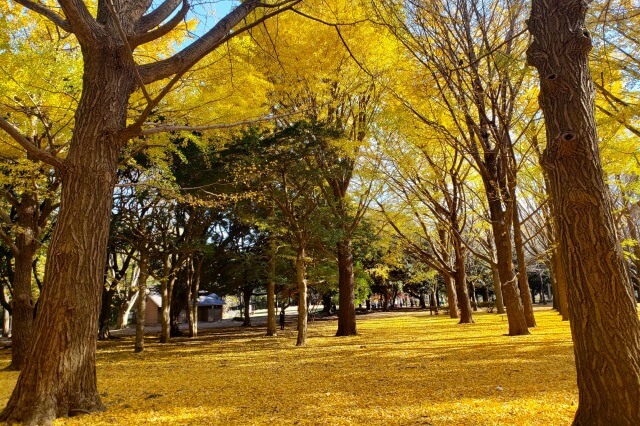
[(47, 13), (157, 16), (80, 20), (146, 37), (38, 154)]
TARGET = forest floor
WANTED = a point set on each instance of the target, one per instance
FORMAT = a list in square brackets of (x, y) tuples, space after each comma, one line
[(405, 368)]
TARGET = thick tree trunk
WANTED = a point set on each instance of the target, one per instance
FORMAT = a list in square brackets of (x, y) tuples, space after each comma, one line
[(423, 302), (603, 316), (142, 303), (166, 291), (346, 285), (59, 378), (460, 278), (523, 282), (501, 226), (271, 288), (22, 304), (452, 298), (497, 288), (301, 275)]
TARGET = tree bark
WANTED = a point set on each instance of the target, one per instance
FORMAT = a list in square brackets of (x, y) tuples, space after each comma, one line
[(452, 298), (301, 276), (523, 282), (125, 310), (497, 289), (142, 302), (500, 224), (247, 292), (23, 303), (602, 310), (59, 378), (346, 285), (460, 278)]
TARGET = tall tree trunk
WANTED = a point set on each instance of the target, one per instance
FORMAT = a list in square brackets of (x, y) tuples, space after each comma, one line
[(59, 378), (271, 288), (142, 302), (166, 291), (22, 304), (497, 288), (105, 311), (602, 310), (560, 281), (423, 302), (346, 285), (193, 300), (523, 282), (452, 298), (301, 275), (460, 278), (247, 292), (501, 226)]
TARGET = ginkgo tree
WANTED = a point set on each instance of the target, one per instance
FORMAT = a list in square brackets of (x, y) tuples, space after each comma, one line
[(59, 377)]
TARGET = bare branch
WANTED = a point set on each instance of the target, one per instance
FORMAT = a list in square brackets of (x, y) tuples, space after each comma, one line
[(47, 13), (157, 16), (219, 34), (146, 37), (38, 154)]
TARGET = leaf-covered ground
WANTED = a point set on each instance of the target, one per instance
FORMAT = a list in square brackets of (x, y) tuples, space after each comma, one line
[(403, 368)]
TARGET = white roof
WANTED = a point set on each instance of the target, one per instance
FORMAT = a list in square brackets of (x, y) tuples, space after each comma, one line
[(208, 300)]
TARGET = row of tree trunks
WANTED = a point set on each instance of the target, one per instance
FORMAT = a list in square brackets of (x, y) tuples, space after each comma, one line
[(602, 310)]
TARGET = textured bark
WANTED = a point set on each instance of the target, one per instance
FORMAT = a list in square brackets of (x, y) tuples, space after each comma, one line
[(23, 303), (452, 298), (59, 378), (460, 279), (602, 310), (500, 224), (142, 302), (523, 282), (560, 282), (301, 276), (346, 285), (497, 289)]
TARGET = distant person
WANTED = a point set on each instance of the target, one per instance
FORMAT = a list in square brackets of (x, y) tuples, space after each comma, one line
[(282, 319)]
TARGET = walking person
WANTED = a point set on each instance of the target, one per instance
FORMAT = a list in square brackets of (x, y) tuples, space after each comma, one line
[(282, 319)]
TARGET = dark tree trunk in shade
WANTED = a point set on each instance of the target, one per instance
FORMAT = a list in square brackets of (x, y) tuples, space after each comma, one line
[(347, 310), (523, 282), (22, 311), (271, 288), (602, 310), (142, 303), (247, 292)]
